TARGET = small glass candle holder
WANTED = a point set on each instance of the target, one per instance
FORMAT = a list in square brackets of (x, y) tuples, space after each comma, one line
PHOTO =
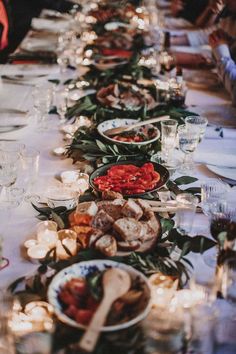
[(62, 196)]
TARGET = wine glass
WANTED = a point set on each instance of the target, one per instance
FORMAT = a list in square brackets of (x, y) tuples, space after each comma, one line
[(222, 215), (43, 97), (8, 174), (30, 167), (188, 141), (197, 124), (229, 280)]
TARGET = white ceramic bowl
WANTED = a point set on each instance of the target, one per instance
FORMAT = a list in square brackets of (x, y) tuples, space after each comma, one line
[(82, 269), (120, 122)]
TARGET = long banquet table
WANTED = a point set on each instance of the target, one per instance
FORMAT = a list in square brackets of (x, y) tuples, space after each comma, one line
[(20, 223)]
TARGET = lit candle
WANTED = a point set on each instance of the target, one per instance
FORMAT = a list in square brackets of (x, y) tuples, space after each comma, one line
[(30, 243), (70, 244), (187, 298), (49, 237), (69, 177), (38, 252)]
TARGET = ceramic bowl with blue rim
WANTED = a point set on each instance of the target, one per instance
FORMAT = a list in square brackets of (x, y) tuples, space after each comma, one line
[(122, 122), (82, 270)]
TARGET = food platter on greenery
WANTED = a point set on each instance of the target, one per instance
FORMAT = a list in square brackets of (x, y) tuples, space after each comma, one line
[(144, 135), (102, 171), (90, 270)]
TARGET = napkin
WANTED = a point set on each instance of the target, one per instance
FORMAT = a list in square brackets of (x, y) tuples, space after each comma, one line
[(216, 159), (49, 25), (220, 133)]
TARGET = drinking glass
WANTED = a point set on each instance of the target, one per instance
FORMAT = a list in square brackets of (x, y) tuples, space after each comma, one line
[(229, 280), (164, 332), (8, 175), (177, 93), (212, 190), (188, 141), (62, 103), (222, 228), (197, 124), (187, 204), (43, 97), (202, 339), (30, 168), (168, 137)]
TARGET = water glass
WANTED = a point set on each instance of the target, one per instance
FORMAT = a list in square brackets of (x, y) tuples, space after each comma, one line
[(62, 103), (168, 137), (212, 190), (8, 174), (30, 168), (188, 141), (203, 323), (187, 204), (164, 332), (197, 124), (229, 280), (43, 98)]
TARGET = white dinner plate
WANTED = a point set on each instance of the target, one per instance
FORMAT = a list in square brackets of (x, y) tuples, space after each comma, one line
[(226, 172)]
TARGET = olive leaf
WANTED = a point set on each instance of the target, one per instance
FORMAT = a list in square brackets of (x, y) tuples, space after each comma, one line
[(185, 180)]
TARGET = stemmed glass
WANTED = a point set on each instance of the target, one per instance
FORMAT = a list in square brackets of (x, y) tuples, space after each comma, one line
[(168, 138), (222, 215), (30, 168), (62, 103), (197, 124), (8, 174), (188, 141)]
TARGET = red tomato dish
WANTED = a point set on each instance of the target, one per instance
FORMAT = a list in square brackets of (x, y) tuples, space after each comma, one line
[(128, 179)]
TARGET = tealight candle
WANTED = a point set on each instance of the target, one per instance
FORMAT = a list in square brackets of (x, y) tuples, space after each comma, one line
[(69, 177), (70, 244), (36, 316), (187, 298), (30, 243), (38, 251), (49, 237)]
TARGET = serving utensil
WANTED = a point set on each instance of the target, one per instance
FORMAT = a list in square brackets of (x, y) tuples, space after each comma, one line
[(119, 130), (116, 282)]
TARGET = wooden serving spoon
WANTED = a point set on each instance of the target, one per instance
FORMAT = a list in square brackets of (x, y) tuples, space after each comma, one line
[(116, 282), (126, 128)]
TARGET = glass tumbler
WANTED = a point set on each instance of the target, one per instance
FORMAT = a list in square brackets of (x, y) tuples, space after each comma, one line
[(187, 204), (212, 190), (229, 280), (164, 332), (188, 141), (168, 137)]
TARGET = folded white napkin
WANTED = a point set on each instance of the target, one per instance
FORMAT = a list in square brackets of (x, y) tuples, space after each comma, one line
[(220, 133), (28, 69), (216, 158), (49, 25)]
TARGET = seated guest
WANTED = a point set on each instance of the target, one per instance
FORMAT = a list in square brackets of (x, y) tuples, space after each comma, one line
[(188, 9), (224, 52), (24, 10), (200, 37), (4, 29)]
